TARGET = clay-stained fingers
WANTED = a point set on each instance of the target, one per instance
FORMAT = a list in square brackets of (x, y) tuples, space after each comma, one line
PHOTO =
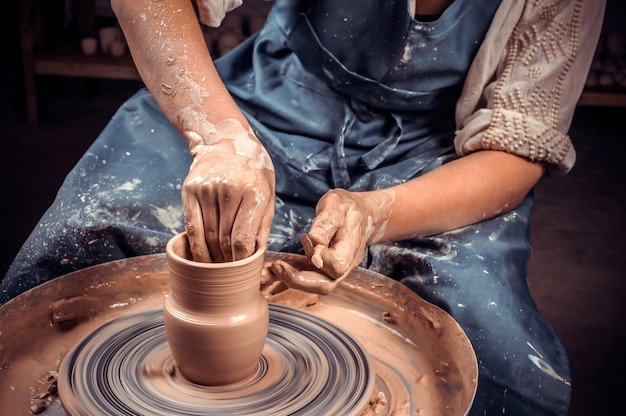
[(233, 218), (268, 215), (208, 198), (329, 216), (266, 223), (227, 201), (251, 227), (327, 221), (194, 225), (342, 257), (344, 250), (307, 280), (337, 260)]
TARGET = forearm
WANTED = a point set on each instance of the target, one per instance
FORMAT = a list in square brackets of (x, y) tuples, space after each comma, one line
[(228, 194), (170, 53), (473, 188)]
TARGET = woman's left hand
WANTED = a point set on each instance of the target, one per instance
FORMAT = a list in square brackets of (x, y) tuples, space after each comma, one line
[(345, 223)]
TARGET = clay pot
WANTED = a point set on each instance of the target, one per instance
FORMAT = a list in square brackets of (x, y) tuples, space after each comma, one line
[(216, 318), (117, 48), (108, 35), (89, 45)]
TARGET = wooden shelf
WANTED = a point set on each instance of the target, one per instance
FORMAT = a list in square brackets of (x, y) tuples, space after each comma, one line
[(603, 99), (72, 63), (48, 48)]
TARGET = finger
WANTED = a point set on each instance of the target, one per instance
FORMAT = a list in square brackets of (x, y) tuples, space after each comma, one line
[(325, 225), (312, 251), (195, 228), (346, 250), (228, 201), (265, 228), (267, 276), (337, 263), (245, 229), (247, 225), (266, 221), (211, 218), (338, 280), (308, 245), (323, 229), (306, 280)]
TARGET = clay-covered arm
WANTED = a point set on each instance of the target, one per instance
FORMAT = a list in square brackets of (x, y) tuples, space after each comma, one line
[(169, 51), (459, 193), (465, 191), (513, 117), (228, 195)]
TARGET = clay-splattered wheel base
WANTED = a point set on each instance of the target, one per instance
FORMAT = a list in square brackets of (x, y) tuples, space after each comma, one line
[(309, 366)]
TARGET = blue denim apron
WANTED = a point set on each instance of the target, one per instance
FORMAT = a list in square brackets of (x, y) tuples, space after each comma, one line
[(358, 97)]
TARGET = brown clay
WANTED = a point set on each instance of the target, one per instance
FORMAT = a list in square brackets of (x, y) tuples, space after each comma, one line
[(423, 361), (216, 318)]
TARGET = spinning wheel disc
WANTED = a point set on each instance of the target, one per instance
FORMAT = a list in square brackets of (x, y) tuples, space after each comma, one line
[(309, 366)]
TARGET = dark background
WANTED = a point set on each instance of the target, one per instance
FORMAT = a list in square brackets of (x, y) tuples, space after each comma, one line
[(578, 226)]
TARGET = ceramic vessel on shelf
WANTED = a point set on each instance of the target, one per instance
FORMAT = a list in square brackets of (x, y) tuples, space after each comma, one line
[(89, 45)]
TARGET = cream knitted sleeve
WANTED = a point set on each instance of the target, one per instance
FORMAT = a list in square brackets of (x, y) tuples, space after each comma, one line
[(523, 86), (212, 12)]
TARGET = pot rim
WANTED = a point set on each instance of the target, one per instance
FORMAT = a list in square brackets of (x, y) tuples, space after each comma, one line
[(171, 253)]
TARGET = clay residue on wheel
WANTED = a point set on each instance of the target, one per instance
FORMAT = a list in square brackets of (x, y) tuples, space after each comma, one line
[(418, 351), (67, 313)]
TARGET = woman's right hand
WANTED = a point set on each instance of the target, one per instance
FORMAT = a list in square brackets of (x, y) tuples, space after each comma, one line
[(228, 195)]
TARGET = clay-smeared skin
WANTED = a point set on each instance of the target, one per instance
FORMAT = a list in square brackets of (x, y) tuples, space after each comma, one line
[(228, 195), (311, 281), (345, 224), (216, 318)]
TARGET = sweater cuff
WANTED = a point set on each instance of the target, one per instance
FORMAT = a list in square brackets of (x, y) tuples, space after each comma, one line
[(512, 132)]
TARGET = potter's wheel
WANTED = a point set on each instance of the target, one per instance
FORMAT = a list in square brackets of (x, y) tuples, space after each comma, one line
[(308, 367), (422, 360)]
